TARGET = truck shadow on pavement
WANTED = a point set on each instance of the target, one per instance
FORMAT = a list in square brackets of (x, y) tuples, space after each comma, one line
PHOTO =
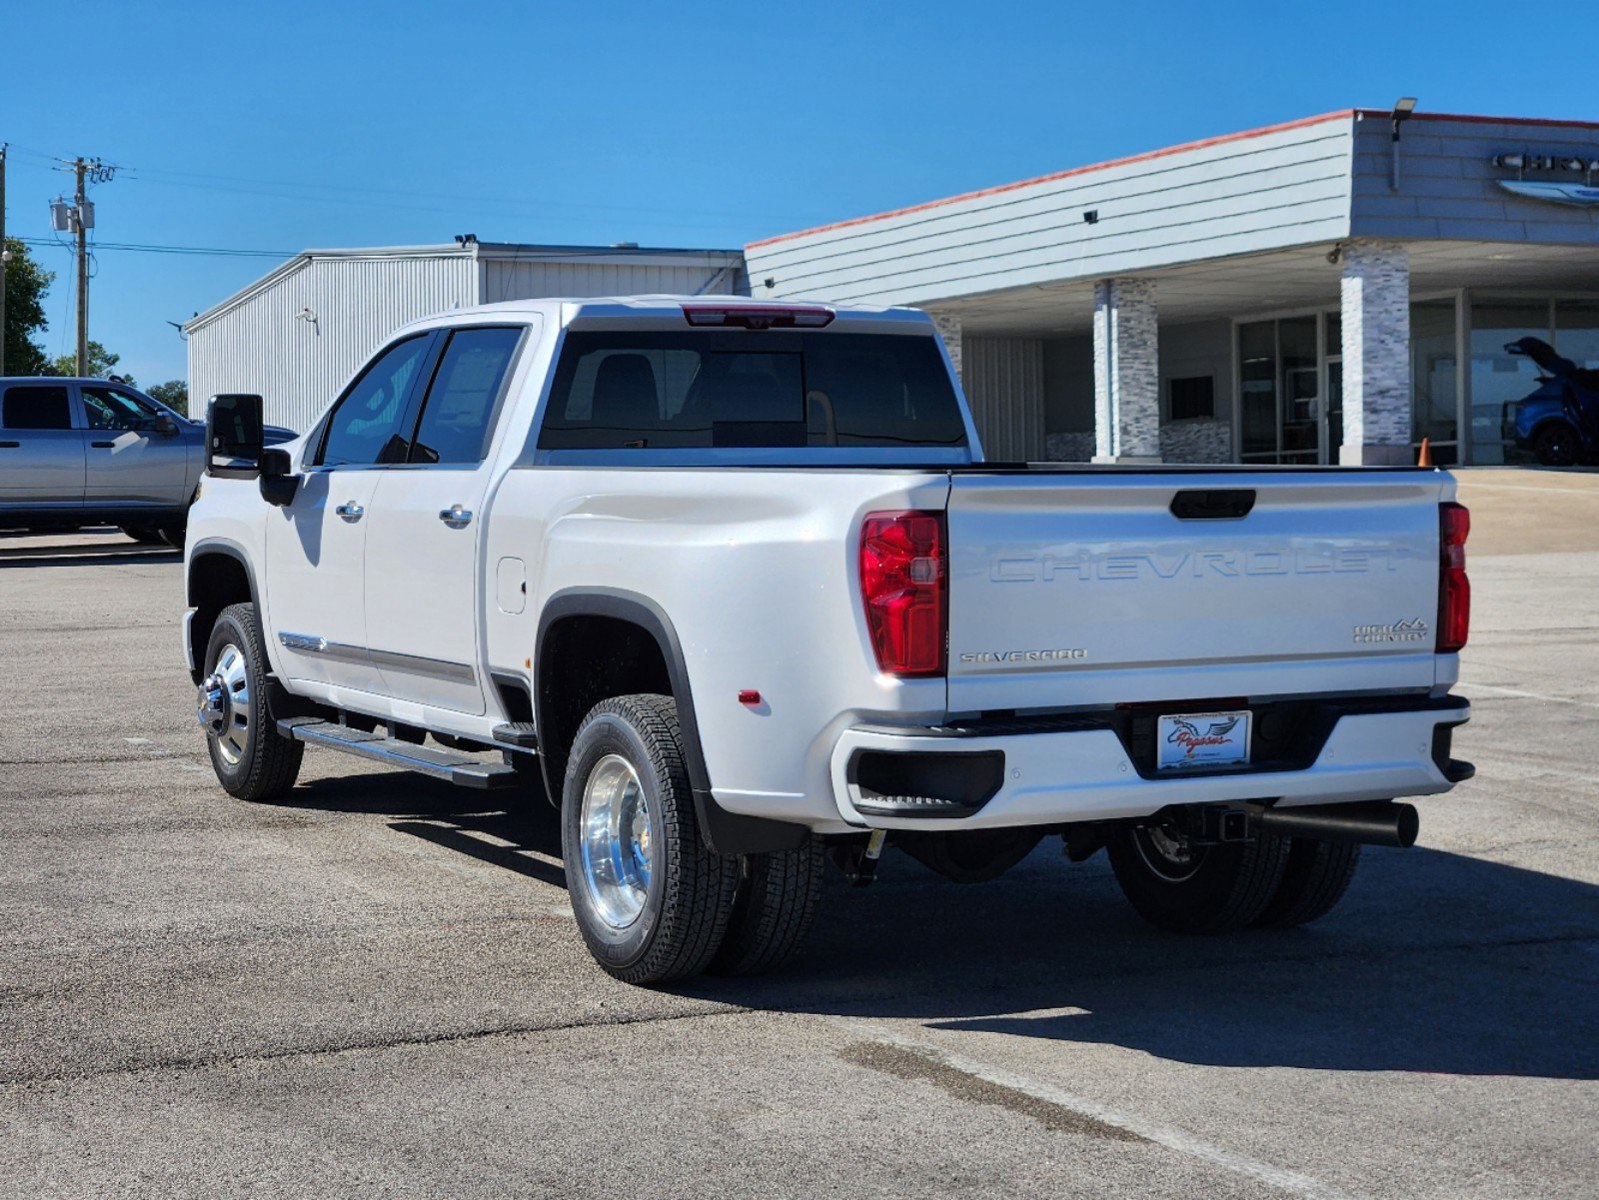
[(525, 839), (1435, 962)]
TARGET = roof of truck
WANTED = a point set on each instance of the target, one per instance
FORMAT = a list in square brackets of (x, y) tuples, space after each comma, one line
[(570, 308)]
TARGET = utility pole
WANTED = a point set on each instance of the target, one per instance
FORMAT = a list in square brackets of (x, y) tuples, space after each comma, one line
[(83, 273), (4, 256)]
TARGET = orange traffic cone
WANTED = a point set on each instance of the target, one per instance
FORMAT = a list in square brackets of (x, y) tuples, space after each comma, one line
[(1424, 459)]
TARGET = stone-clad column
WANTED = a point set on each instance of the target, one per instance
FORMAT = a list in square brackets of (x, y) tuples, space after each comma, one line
[(1126, 372), (1376, 312), (949, 331)]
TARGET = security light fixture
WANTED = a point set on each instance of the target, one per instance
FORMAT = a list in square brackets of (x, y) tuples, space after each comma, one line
[(1403, 108)]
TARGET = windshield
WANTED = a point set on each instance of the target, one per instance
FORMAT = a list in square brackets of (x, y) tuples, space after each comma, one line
[(621, 390)]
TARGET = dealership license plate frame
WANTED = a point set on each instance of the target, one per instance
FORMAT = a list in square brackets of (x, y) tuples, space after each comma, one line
[(1175, 753)]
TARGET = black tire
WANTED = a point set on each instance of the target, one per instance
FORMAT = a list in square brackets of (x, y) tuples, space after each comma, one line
[(1555, 445), (773, 909), (1315, 880), (267, 763), (1219, 889), (145, 536), (688, 896)]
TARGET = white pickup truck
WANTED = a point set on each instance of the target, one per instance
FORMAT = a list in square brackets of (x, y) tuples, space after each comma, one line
[(731, 584)]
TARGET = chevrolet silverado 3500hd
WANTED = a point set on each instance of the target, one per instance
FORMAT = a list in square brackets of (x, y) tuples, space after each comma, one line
[(732, 585)]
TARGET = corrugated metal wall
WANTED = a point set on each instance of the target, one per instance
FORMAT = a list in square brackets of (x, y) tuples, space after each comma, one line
[(510, 279), (1004, 383), (262, 345)]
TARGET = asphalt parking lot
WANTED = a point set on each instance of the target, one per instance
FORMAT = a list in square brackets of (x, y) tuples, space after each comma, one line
[(375, 988)]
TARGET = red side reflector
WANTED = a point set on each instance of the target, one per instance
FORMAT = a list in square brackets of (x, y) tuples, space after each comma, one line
[(749, 698), (738, 316), (1454, 589), (903, 584)]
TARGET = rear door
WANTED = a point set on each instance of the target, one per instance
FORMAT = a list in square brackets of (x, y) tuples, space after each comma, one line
[(1106, 588), (41, 450), (128, 460), (425, 530)]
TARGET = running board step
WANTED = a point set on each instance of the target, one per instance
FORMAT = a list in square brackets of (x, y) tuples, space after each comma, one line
[(460, 769), (522, 734)]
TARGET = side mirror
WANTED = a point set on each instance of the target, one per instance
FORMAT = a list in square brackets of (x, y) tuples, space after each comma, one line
[(166, 426), (278, 481), (233, 439)]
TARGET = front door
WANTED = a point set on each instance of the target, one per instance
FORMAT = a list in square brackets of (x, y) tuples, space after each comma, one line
[(129, 460), (423, 578), (316, 545), (41, 453), (315, 548)]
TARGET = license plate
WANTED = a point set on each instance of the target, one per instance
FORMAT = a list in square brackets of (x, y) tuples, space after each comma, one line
[(1186, 740)]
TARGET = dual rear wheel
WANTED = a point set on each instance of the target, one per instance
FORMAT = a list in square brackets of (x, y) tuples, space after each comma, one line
[(653, 902), (1271, 881)]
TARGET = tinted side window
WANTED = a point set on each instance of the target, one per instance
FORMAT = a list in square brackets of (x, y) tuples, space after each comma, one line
[(111, 408), (37, 407), (750, 389), (457, 415), (365, 427)]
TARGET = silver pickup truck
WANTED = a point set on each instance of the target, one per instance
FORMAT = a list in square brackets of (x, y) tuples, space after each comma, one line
[(97, 452)]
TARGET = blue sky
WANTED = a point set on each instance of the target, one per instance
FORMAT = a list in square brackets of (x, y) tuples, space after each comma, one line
[(281, 126)]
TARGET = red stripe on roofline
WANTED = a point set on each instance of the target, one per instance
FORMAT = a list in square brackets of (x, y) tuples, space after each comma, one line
[(1115, 162), (1169, 150)]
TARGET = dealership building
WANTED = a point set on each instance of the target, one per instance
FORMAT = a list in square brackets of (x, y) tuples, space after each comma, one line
[(1328, 290)]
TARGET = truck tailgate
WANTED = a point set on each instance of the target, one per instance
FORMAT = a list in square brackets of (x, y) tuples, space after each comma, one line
[(1087, 589)]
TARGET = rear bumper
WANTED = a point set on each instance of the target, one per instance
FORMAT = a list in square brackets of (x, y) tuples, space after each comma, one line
[(1083, 769)]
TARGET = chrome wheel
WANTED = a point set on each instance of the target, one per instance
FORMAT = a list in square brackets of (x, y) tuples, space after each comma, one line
[(1168, 854), (616, 850), (224, 705)]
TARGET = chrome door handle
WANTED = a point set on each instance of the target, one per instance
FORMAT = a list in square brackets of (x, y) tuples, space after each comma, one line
[(350, 511), (456, 517)]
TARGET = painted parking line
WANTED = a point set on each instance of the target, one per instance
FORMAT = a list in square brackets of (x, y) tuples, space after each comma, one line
[(1521, 695), (1095, 1114)]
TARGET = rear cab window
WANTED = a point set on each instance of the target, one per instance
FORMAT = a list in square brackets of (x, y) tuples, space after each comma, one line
[(620, 390), (36, 406), (458, 416)]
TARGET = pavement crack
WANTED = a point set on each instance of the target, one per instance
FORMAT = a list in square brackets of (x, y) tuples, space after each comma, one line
[(201, 1062)]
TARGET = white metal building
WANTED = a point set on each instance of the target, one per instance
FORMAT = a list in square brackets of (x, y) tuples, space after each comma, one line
[(297, 335)]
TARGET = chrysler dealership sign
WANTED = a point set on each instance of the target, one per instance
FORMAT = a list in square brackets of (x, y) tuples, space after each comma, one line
[(1582, 195)]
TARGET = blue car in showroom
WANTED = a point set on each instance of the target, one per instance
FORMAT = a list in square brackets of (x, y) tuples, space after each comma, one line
[(1559, 422)]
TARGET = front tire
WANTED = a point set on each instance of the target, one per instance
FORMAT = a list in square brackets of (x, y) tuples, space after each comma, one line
[(1556, 445), (252, 760), (1176, 885), (651, 899)]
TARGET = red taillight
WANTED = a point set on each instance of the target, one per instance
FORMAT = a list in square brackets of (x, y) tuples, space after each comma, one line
[(903, 585), (749, 316), (1454, 589)]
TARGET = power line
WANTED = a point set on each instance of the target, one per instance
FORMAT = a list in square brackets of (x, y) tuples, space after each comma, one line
[(216, 251)]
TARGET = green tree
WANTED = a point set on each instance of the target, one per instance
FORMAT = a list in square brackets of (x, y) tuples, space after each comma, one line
[(101, 362), (26, 284), (174, 393)]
